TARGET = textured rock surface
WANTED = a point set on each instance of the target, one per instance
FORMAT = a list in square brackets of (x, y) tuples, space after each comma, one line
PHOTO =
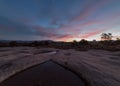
[(97, 67)]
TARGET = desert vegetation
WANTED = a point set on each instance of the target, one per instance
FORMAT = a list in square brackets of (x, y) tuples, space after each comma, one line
[(106, 43), (88, 59)]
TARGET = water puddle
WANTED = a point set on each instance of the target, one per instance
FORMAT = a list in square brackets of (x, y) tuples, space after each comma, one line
[(46, 74)]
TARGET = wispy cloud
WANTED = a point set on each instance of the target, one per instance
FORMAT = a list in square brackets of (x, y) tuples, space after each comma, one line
[(60, 19), (90, 8)]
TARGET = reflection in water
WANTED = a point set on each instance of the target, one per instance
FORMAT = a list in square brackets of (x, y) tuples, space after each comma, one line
[(46, 74)]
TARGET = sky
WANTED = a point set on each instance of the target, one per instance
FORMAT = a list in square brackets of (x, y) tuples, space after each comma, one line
[(58, 20)]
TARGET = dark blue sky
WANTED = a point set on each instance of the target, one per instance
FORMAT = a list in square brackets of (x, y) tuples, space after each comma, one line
[(64, 20)]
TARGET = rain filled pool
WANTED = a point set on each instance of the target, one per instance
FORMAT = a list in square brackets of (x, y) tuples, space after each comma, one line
[(46, 74)]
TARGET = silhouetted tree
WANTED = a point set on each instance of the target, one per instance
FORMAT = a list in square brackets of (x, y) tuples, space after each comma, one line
[(74, 43), (83, 42), (118, 39), (106, 36), (110, 36)]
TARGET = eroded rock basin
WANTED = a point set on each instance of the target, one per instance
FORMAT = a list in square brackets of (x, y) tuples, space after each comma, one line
[(46, 74)]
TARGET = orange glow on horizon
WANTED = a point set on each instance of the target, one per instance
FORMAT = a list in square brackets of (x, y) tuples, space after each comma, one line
[(67, 39)]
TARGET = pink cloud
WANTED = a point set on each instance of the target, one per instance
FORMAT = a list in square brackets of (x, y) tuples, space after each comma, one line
[(82, 36), (90, 9), (49, 33), (92, 33)]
